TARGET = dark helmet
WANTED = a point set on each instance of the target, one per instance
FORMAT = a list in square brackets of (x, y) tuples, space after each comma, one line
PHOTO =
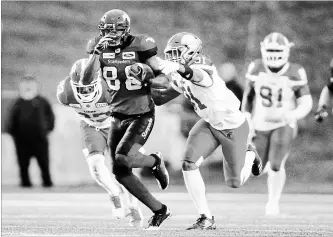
[(115, 24)]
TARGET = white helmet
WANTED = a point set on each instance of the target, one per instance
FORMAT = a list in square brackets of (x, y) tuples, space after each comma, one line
[(275, 50), (84, 93), (183, 48)]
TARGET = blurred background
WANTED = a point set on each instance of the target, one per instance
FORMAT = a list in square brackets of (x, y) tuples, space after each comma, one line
[(46, 38)]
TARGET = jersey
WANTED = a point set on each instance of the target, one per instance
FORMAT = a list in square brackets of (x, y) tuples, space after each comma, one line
[(275, 93), (96, 113), (128, 96), (211, 99)]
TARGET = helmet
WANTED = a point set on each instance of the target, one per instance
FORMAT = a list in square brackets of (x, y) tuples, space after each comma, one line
[(85, 93), (275, 50), (115, 24), (183, 48)]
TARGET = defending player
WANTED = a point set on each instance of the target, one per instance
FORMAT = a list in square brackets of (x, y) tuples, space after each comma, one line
[(115, 51), (222, 123), (91, 104), (275, 97), (325, 97)]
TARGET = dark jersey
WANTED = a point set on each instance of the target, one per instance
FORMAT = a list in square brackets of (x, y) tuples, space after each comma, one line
[(128, 96)]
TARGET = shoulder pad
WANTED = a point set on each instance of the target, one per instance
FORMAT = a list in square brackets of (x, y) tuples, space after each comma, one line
[(62, 91), (92, 43), (145, 42), (297, 72)]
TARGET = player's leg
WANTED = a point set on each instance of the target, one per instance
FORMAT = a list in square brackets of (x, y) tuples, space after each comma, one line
[(23, 157), (281, 142), (125, 154), (262, 143), (42, 157), (238, 160), (200, 144), (95, 143)]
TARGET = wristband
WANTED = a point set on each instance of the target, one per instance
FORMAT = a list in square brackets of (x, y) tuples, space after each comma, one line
[(188, 74)]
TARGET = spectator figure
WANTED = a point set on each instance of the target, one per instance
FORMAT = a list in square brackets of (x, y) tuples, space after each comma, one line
[(228, 73), (30, 120)]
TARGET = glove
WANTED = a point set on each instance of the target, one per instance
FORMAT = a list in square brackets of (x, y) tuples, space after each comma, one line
[(102, 44), (168, 67), (137, 73), (321, 114)]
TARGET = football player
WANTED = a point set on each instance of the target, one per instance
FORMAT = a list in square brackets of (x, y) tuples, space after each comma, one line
[(275, 97), (91, 103), (222, 123), (325, 96), (115, 51)]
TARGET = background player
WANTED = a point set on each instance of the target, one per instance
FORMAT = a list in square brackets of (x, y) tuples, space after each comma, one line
[(275, 97), (221, 123), (115, 51), (325, 97), (91, 104)]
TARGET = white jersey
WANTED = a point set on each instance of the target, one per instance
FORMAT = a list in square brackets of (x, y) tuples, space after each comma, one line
[(95, 113), (275, 93), (211, 99)]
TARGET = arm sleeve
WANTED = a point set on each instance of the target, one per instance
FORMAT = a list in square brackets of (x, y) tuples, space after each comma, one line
[(303, 88), (12, 118), (91, 44), (49, 115), (148, 48)]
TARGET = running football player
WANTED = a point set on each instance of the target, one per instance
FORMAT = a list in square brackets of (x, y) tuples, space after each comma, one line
[(325, 97), (222, 123), (275, 97), (115, 51), (91, 103)]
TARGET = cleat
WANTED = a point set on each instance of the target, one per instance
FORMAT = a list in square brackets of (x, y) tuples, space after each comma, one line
[(203, 223), (272, 209), (160, 172), (157, 219), (117, 207), (135, 217), (257, 166)]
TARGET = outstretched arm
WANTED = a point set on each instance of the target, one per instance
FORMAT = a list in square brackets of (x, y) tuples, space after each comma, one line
[(90, 69)]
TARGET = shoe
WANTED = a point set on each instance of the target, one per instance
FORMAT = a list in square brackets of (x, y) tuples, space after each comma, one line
[(160, 172), (157, 219), (257, 166), (203, 223), (135, 217), (117, 207), (272, 209)]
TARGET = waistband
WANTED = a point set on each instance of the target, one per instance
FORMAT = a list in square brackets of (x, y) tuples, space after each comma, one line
[(121, 116)]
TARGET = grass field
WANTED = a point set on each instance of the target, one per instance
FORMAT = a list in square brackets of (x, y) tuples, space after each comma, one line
[(237, 214)]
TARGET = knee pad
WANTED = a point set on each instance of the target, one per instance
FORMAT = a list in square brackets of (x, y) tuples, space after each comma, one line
[(123, 160), (234, 183), (95, 159), (189, 165)]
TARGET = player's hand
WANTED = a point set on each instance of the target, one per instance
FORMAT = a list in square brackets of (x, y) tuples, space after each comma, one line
[(168, 67), (137, 72), (102, 44), (321, 114)]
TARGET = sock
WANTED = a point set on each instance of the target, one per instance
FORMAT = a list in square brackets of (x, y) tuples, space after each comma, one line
[(162, 210), (275, 184), (137, 189), (247, 168), (197, 190), (101, 174)]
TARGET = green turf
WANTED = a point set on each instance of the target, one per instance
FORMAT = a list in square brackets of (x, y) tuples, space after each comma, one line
[(89, 214)]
